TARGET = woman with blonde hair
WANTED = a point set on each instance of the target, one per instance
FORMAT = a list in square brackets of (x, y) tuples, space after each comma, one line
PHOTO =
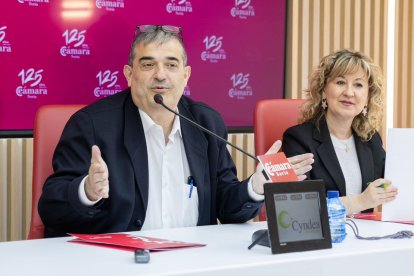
[(339, 125)]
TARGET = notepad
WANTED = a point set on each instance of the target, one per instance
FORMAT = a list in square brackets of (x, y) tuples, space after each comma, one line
[(399, 168)]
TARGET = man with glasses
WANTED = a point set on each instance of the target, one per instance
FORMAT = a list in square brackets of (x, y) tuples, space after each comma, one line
[(126, 163)]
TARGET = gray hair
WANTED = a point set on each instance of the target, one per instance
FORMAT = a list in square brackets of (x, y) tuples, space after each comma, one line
[(158, 36)]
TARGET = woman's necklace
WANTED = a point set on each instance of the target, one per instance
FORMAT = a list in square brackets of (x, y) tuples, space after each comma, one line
[(342, 144), (346, 146)]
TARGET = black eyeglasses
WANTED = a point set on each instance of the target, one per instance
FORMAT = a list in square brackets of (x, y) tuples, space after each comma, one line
[(153, 28)]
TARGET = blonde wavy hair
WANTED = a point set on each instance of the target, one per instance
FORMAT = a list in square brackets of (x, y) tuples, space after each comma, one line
[(342, 63)]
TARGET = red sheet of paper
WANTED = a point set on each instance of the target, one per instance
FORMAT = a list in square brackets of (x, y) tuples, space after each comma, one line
[(131, 242), (278, 167), (369, 216), (377, 216)]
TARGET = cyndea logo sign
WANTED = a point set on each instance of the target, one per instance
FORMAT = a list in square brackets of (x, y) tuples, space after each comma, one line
[(285, 221)]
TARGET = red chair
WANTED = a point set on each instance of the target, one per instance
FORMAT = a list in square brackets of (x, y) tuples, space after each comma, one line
[(271, 119), (49, 123)]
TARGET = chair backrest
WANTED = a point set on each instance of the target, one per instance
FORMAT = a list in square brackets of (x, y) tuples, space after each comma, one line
[(49, 123), (271, 119)]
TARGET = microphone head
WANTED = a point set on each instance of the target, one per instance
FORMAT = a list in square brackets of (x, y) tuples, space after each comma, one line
[(158, 98)]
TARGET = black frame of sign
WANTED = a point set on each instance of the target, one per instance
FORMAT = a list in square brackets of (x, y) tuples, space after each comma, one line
[(283, 188)]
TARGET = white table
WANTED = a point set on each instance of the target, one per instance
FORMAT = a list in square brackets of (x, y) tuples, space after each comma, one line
[(225, 254)]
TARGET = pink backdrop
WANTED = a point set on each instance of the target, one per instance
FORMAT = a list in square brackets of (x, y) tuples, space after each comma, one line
[(73, 51)]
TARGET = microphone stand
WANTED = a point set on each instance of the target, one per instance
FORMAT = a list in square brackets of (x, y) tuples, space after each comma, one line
[(159, 100), (259, 237)]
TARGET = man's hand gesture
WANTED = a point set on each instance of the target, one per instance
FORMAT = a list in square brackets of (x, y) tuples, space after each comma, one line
[(97, 184)]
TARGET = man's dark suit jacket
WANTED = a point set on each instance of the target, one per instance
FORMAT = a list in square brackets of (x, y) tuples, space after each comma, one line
[(114, 124), (306, 137)]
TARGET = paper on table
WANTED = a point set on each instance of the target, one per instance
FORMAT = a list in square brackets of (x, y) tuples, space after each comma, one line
[(125, 241), (399, 168)]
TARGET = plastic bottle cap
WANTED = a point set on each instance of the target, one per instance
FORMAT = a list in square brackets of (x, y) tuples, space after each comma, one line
[(333, 194)]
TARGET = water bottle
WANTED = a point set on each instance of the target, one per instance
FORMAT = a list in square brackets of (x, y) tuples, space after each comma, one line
[(337, 217)]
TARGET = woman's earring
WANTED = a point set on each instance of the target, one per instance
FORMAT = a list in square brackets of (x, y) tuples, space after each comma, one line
[(324, 104), (365, 111)]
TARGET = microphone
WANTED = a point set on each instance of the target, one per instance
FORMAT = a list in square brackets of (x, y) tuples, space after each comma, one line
[(159, 100), (259, 237)]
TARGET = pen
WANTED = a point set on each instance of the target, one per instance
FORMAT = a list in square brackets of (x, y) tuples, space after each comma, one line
[(383, 185), (191, 183)]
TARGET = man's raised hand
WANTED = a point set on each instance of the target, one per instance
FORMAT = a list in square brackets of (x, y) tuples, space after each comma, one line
[(97, 184)]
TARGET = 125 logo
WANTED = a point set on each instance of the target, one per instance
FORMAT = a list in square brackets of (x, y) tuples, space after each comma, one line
[(107, 77), (240, 80), (31, 75), (213, 41), (74, 35)]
